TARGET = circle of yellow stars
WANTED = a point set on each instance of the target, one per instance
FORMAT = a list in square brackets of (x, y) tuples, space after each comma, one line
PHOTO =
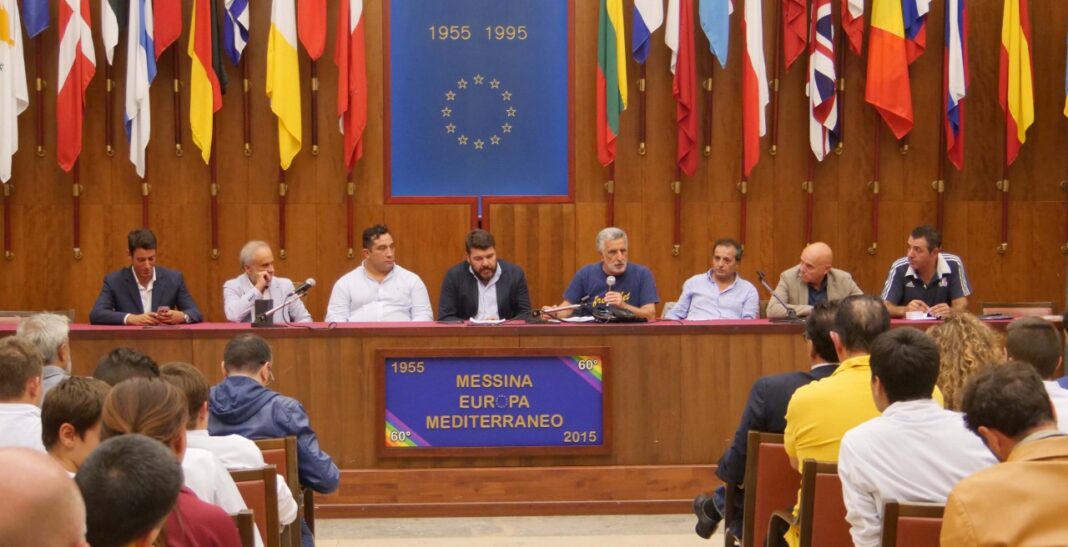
[(478, 81)]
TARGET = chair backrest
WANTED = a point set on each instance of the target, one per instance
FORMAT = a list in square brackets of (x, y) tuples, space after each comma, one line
[(1018, 309), (762, 312), (770, 484), (822, 515), (258, 489), (282, 453), (667, 308), (16, 316), (245, 523), (912, 524)]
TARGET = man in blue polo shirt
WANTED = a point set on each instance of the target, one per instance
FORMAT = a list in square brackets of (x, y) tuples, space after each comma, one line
[(926, 280), (633, 288)]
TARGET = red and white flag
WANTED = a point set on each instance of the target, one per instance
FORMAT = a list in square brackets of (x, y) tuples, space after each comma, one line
[(755, 95), (350, 57), (77, 64)]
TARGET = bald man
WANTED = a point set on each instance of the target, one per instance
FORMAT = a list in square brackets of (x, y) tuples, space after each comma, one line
[(42, 505), (810, 282)]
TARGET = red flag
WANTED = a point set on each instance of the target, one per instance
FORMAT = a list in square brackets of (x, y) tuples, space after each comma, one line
[(853, 23), (684, 89), (77, 64), (167, 23), (755, 95), (794, 30), (311, 26), (349, 55)]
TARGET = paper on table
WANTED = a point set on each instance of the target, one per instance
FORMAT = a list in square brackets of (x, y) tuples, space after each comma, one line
[(581, 319), (474, 321)]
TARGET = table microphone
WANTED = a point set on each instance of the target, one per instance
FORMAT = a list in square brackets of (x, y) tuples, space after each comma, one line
[(791, 314), (611, 280)]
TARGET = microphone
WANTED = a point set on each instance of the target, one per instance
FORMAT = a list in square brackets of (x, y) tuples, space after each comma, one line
[(611, 280), (304, 287), (791, 314)]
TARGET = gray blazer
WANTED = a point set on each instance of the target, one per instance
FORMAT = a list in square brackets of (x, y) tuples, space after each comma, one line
[(239, 297), (840, 284)]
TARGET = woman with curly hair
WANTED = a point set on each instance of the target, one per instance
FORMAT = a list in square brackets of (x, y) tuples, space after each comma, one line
[(965, 345)]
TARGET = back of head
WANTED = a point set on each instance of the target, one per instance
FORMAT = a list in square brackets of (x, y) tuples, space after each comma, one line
[(1036, 341), (189, 380), (20, 362), (148, 406), (123, 364), (965, 344), (905, 360), (46, 331), (130, 484), (77, 401), (818, 329), (245, 354), (141, 238), (859, 321), (1008, 397), (41, 504)]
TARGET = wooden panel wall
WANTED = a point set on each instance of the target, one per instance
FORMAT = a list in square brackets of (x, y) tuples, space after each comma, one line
[(552, 240)]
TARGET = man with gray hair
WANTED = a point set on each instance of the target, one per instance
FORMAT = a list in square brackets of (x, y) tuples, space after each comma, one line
[(50, 334), (612, 281), (259, 283)]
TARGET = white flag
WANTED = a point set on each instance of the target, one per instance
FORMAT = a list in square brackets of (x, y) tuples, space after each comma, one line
[(14, 96)]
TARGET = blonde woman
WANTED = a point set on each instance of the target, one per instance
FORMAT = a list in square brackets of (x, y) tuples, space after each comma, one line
[(965, 345)]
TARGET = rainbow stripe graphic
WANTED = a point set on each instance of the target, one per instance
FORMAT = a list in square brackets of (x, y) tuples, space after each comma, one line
[(581, 365), (394, 438)]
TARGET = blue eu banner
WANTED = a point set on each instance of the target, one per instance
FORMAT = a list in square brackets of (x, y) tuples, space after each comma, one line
[(479, 100)]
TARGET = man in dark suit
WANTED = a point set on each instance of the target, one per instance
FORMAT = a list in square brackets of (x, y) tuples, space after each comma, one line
[(144, 294), (766, 411), (483, 287)]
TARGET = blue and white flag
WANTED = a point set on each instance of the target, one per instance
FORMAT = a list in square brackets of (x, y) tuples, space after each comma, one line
[(648, 16), (821, 89), (140, 71), (235, 31), (956, 79), (715, 18)]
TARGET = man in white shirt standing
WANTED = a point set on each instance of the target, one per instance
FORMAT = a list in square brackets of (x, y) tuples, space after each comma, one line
[(379, 289), (259, 283), (916, 451), (20, 394), (1035, 341)]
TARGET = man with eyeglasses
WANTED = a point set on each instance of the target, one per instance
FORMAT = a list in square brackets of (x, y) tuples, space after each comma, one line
[(242, 405)]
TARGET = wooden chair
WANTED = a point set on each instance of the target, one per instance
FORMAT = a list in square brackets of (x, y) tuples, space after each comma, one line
[(1018, 309), (282, 453), (258, 489), (770, 483), (821, 518), (912, 524), (245, 523)]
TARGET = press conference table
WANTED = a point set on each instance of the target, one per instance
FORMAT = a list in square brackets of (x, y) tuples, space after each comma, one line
[(678, 390)]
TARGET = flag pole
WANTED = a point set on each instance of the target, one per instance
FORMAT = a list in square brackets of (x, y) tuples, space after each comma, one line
[(246, 104), (939, 184), (350, 232), (610, 198), (774, 130), (873, 186), (1003, 186), (176, 62), (9, 187), (641, 108), (315, 107), (76, 213), (676, 188), (109, 104), (808, 187), (41, 83), (282, 189), (840, 101), (146, 189), (214, 187), (708, 107)]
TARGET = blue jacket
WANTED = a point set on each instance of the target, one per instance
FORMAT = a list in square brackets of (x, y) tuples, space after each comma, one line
[(241, 406), (120, 296)]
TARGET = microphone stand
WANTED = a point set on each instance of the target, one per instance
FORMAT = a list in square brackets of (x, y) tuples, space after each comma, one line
[(261, 319), (791, 314)]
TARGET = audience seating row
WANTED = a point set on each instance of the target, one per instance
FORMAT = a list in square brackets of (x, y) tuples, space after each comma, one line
[(259, 490)]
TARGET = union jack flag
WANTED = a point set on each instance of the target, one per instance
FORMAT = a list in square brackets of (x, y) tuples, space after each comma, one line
[(822, 93)]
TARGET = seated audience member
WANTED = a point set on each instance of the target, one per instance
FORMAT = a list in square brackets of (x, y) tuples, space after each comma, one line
[(926, 280), (123, 364), (1020, 501), (379, 289), (42, 505), (965, 345), (258, 282), (483, 287), (130, 485), (233, 451), (719, 293), (144, 294), (50, 334), (765, 411), (916, 451), (1035, 341), (154, 408), (20, 394), (70, 420), (634, 288), (810, 282), (243, 405)]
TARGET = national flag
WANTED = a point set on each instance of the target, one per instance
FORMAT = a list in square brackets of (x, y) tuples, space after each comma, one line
[(684, 85), (853, 23), (205, 90), (235, 30), (113, 16), (611, 78), (311, 26), (794, 30), (754, 85), (1016, 89), (168, 23), (956, 79), (821, 89), (283, 79), (914, 15), (140, 71), (648, 16), (716, 22), (14, 95), (34, 16), (350, 57), (888, 87), (77, 64)]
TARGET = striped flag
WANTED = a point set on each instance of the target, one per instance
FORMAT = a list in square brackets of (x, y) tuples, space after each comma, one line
[(167, 16), (283, 79), (235, 30), (1016, 89), (350, 57), (888, 87), (754, 85), (611, 78), (914, 14), (14, 96), (821, 89), (113, 16), (794, 31), (716, 23), (853, 23), (77, 64), (311, 26), (140, 71), (956, 79), (34, 16), (647, 17), (205, 90), (684, 83)]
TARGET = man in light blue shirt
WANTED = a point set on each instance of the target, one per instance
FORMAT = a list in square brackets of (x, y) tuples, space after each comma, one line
[(719, 293)]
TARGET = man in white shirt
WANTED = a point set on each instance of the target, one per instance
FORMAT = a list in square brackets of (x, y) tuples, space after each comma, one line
[(50, 334), (20, 394), (379, 289), (70, 420), (259, 283), (1036, 341), (916, 451)]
